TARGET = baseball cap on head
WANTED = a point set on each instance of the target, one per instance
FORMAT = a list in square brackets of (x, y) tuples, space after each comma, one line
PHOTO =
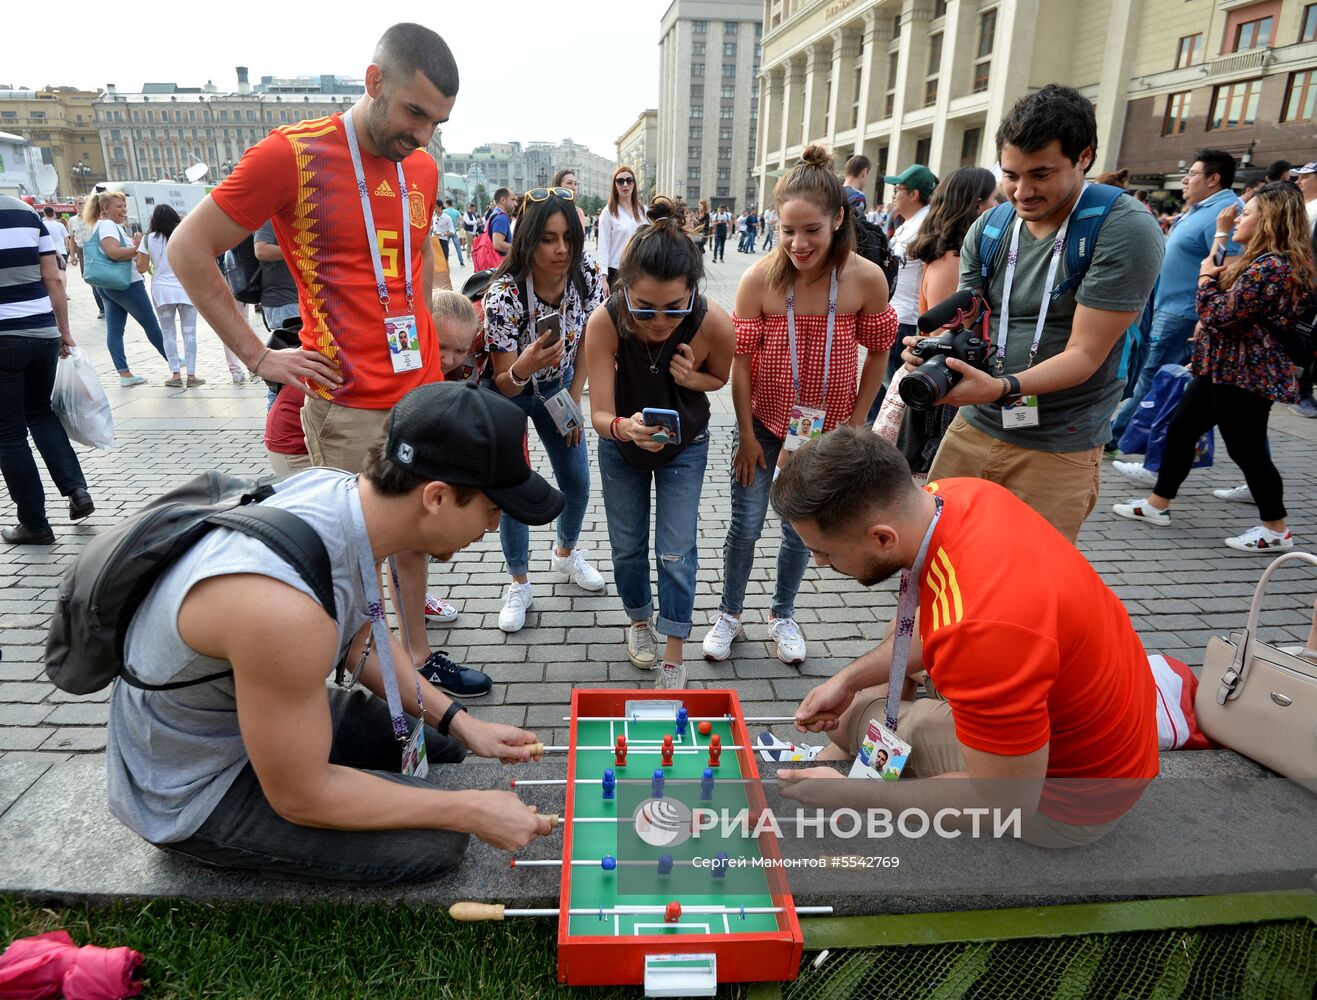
[(1307, 168), (460, 434), (916, 178)]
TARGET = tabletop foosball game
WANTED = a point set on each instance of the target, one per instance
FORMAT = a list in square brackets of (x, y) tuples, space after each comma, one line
[(665, 883)]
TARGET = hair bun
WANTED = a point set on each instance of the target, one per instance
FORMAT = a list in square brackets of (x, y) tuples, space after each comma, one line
[(661, 208), (817, 156)]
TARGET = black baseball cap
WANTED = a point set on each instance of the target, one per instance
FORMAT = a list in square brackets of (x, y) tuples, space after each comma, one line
[(461, 434)]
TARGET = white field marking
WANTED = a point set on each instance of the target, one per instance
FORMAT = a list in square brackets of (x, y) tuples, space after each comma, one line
[(703, 928)]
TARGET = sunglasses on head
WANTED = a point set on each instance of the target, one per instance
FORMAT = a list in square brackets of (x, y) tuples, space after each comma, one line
[(647, 314), (626, 180), (543, 194)]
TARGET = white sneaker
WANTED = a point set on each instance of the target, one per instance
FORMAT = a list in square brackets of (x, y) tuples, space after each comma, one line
[(771, 748), (128, 381), (718, 641), (239, 378), (576, 569), (1236, 494), (790, 642), (1261, 539), (1140, 510), (515, 604), (671, 677), (1135, 472), (642, 645)]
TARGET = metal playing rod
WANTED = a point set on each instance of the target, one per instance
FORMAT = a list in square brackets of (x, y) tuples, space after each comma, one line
[(497, 911), (518, 782), (693, 718), (679, 750)]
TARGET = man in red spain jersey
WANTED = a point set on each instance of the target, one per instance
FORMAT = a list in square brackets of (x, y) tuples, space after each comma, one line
[(1044, 698), (351, 197)]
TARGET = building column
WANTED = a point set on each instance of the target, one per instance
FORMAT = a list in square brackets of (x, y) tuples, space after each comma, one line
[(915, 15), (953, 77), (1117, 62), (877, 37), (845, 49), (1017, 22), (792, 112), (770, 112), (817, 63)]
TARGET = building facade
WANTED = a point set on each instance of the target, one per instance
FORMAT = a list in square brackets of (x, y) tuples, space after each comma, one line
[(60, 123), (162, 130), (517, 167), (708, 113), (928, 81), (638, 148), (19, 163)]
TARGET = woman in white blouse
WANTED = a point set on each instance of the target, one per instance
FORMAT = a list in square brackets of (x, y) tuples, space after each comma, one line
[(619, 220), (168, 297)]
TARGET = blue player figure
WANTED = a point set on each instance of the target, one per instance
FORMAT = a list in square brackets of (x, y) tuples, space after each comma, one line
[(656, 785), (706, 785), (682, 717), (610, 783), (720, 865), (609, 863), (665, 864)]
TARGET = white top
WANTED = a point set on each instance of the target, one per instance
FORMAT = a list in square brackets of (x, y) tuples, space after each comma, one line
[(108, 229), (80, 229), (58, 234), (906, 299), (443, 226), (615, 232), (1312, 211), (166, 289)]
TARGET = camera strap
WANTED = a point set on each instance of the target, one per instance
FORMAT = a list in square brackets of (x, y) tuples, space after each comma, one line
[(907, 606), (827, 346), (1012, 256)]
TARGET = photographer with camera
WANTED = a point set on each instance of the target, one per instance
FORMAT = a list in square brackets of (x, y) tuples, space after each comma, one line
[(535, 312), (1035, 416)]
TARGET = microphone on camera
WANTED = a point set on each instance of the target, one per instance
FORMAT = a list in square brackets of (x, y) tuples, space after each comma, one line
[(949, 310)]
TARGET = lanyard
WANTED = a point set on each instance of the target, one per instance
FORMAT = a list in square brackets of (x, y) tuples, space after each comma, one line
[(907, 606), (827, 347), (1012, 255), (369, 216), (379, 628), (532, 305)]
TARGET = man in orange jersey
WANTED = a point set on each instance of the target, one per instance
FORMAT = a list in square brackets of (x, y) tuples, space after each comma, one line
[(1044, 698), (351, 197)]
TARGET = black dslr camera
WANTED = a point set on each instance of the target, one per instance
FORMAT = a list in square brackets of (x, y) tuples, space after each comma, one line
[(962, 338)]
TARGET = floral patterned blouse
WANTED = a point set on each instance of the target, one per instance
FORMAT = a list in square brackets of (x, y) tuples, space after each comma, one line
[(506, 329), (1234, 347)]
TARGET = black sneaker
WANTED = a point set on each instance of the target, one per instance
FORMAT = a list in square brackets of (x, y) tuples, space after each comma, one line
[(80, 504), (453, 678)]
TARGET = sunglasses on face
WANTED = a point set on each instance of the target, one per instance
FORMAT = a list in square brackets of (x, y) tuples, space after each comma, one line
[(626, 180), (647, 314)]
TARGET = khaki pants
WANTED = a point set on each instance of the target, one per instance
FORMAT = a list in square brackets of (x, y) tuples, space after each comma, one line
[(927, 725), (284, 465), (340, 436), (1062, 486)]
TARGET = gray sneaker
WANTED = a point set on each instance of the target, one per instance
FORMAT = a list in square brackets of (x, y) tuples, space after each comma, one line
[(671, 677), (642, 645)]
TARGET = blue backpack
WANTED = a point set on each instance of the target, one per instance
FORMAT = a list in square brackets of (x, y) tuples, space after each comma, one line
[(1080, 245)]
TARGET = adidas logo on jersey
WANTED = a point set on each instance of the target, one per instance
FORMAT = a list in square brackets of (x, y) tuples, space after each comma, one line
[(384, 190)]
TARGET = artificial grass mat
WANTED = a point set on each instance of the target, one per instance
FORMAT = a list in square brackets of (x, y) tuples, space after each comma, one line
[(320, 950)]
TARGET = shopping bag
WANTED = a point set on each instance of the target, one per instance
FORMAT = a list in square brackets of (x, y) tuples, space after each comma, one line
[(1145, 434), (81, 404)]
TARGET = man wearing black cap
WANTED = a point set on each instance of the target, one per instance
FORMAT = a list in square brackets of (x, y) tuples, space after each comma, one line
[(257, 763)]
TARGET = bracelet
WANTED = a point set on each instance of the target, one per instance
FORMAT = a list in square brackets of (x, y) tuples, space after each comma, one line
[(612, 428), (513, 376), (1011, 392), (447, 721), (257, 367), (1220, 236)]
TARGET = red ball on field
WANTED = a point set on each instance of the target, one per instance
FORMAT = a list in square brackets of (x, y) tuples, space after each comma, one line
[(706, 728)]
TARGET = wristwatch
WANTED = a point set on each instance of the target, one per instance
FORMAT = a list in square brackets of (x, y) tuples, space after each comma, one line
[(1010, 392), (447, 721)]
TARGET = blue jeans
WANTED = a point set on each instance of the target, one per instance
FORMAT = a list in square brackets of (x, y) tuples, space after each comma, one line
[(749, 507), (1168, 344), (275, 315), (571, 469), (626, 491), (119, 305), (27, 375), (750, 235)]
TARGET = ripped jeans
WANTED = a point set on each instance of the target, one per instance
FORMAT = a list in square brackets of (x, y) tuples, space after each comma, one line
[(676, 490)]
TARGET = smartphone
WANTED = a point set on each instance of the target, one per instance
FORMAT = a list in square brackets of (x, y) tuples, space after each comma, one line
[(552, 325), (669, 420), (1219, 257)]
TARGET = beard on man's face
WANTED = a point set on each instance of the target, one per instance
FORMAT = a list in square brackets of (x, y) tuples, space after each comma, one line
[(877, 570), (396, 146)]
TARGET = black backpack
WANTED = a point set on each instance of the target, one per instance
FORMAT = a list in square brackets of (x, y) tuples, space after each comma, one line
[(871, 243), (243, 272), (111, 577)]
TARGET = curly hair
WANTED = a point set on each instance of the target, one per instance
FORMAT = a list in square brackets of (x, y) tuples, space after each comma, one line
[(1282, 228)]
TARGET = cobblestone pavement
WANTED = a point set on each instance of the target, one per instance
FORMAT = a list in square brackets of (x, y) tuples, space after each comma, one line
[(1180, 585)]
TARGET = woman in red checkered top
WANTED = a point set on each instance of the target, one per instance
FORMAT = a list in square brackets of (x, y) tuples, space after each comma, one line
[(801, 315)]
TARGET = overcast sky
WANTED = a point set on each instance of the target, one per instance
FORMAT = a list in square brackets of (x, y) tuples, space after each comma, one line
[(529, 71)]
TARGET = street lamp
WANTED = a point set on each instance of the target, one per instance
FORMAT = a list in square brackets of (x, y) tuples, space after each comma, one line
[(80, 173)]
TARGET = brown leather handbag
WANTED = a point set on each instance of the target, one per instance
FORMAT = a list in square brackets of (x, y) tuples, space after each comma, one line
[(1261, 700)]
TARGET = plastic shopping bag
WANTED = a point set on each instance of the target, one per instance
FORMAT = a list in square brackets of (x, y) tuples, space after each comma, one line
[(1146, 432), (81, 404), (887, 425)]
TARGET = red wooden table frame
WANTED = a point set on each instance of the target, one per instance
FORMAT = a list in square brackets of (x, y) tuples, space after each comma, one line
[(620, 961)]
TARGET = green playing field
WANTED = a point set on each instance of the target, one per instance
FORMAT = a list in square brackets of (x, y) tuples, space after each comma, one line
[(641, 885)]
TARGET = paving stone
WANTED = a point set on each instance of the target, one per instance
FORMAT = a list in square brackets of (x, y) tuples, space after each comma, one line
[(76, 738)]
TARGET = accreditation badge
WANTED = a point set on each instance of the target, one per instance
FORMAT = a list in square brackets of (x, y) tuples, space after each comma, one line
[(414, 762), (804, 423), (404, 344), (1022, 413)]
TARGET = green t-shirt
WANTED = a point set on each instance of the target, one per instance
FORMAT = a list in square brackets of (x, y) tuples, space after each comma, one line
[(1120, 279)]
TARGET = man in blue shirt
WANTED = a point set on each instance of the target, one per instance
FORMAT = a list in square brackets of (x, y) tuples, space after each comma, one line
[(1206, 187), (500, 223)]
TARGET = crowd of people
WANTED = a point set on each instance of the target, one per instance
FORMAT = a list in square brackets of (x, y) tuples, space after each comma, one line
[(402, 409)]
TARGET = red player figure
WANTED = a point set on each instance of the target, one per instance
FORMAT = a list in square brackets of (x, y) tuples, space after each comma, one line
[(673, 913), (667, 750), (715, 749), (621, 751)]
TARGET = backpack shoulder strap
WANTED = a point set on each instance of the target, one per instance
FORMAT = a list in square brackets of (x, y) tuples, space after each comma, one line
[(1081, 241), (991, 237)]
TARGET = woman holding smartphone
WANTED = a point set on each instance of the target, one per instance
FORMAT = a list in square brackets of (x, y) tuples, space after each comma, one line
[(654, 351), (535, 314)]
